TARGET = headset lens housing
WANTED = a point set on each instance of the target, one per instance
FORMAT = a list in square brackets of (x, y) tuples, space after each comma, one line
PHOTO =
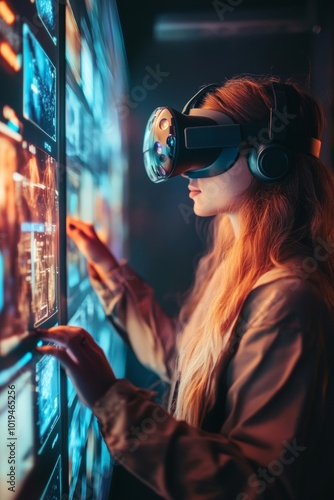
[(159, 147)]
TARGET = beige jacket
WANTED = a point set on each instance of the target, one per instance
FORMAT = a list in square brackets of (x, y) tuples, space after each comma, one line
[(268, 433)]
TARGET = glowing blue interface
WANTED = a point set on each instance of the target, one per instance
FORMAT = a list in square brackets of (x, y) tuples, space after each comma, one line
[(77, 436), (53, 489), (47, 378), (39, 85), (87, 69), (47, 12), (34, 66), (73, 122)]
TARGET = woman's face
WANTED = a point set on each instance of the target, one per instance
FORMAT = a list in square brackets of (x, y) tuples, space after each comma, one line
[(221, 193)]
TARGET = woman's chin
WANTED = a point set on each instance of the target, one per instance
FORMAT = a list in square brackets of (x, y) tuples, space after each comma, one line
[(204, 211)]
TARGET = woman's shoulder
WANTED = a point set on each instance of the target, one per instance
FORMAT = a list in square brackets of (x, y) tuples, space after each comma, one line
[(291, 279), (284, 294), (291, 271)]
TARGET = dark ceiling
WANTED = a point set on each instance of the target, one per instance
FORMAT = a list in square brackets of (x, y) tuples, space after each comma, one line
[(138, 18)]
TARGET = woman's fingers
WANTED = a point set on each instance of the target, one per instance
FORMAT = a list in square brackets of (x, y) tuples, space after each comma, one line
[(58, 353), (73, 345), (75, 222), (65, 336), (86, 239), (54, 336), (80, 232), (82, 239), (76, 341), (83, 359), (71, 330), (86, 229), (73, 369)]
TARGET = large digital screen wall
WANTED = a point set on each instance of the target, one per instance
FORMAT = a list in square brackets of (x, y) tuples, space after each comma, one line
[(62, 151)]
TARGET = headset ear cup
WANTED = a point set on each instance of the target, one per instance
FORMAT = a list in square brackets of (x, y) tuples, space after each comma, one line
[(271, 163)]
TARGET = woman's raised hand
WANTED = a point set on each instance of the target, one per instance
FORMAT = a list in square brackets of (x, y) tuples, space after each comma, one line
[(84, 236), (84, 361)]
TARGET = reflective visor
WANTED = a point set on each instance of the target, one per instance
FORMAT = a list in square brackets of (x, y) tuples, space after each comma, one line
[(159, 147)]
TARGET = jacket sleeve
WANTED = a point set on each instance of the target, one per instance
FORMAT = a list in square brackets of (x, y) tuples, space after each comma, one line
[(272, 382), (130, 305)]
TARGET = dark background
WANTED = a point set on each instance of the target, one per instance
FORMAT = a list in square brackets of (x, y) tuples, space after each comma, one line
[(196, 42)]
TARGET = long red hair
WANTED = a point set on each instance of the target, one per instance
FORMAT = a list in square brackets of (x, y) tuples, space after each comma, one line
[(278, 222)]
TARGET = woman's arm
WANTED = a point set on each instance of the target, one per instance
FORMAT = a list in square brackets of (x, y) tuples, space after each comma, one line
[(128, 301), (130, 305)]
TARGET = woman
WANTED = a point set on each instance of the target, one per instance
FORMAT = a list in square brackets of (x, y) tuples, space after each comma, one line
[(250, 357)]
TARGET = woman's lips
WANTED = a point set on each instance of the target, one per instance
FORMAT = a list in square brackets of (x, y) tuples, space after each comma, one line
[(193, 192)]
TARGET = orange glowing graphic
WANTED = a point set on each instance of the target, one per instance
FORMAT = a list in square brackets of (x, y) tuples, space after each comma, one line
[(9, 56), (28, 237), (10, 115), (6, 13)]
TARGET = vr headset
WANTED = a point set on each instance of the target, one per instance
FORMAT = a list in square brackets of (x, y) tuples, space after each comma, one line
[(205, 143)]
